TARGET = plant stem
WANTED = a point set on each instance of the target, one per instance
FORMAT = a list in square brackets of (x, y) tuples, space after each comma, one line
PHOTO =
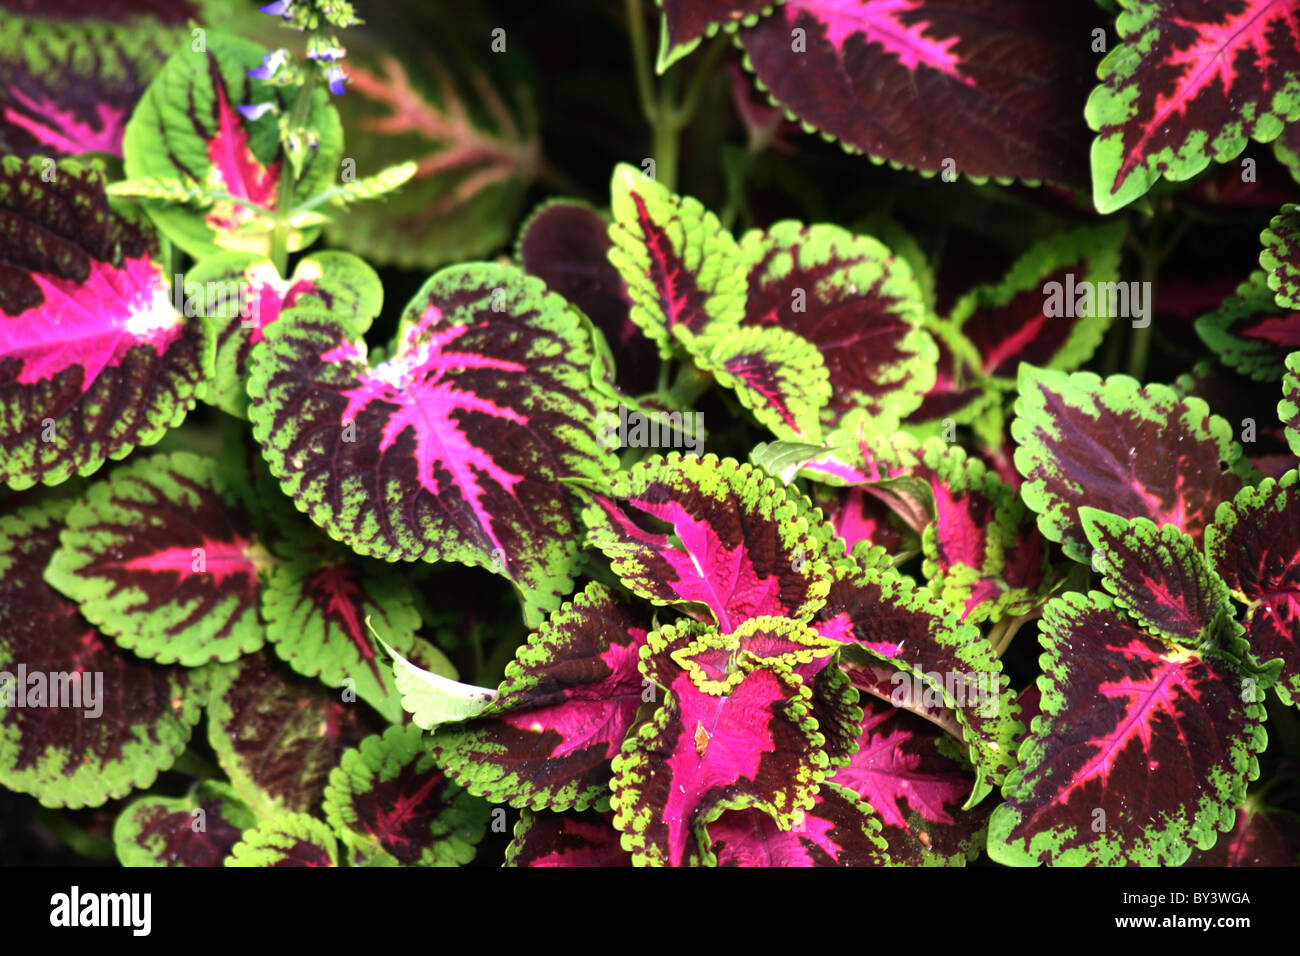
[(1141, 347), (641, 59), (666, 142), (1009, 630), (284, 197)]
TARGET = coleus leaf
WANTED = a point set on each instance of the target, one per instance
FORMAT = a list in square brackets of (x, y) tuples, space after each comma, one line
[(982, 553), (475, 152), (568, 699), (1050, 310), (94, 359), (1288, 410), (946, 659), (984, 88), (1187, 84), (686, 22), (566, 244), (277, 735), (741, 545), (856, 302), (1280, 257), (1254, 544), (901, 770), (838, 830), (777, 374), (163, 556), (187, 128), (199, 829), (57, 102), (317, 610), (286, 839), (433, 699), (1160, 578), (1241, 401), (682, 268), (68, 755), (1088, 441), (1250, 333), (388, 797), (1141, 753), (454, 447), (238, 294), (586, 838), (733, 725)]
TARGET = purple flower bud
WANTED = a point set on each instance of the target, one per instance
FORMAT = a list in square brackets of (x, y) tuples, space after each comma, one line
[(253, 111), (329, 54), (278, 9), (336, 79), (270, 63)]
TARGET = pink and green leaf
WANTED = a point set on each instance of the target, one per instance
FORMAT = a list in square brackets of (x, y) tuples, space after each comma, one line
[(1160, 577), (838, 830), (750, 735), (316, 614), (1088, 441), (1142, 751), (198, 829), (721, 538), (163, 556), (238, 294), (915, 787), (452, 449), (682, 268), (71, 756), (187, 128), (1190, 83), (94, 358), (587, 838), (568, 700), (1250, 333), (856, 302), (388, 797), (988, 88), (1288, 410), (286, 839), (686, 22), (1254, 544)]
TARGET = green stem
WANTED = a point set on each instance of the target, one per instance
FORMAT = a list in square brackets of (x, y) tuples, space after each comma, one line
[(1141, 348), (700, 80), (641, 59), (284, 197), (664, 148)]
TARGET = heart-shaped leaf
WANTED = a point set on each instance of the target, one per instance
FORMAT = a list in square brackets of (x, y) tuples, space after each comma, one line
[(94, 746), (982, 88), (454, 447), (164, 557), (1086, 440), (1188, 84), (1142, 752), (94, 358), (569, 698), (388, 797), (735, 544)]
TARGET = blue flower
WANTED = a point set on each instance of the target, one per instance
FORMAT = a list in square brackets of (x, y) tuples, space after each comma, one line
[(329, 54), (336, 78), (270, 63), (254, 111), (278, 9)]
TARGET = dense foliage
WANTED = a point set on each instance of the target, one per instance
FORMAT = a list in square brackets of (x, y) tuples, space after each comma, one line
[(921, 497)]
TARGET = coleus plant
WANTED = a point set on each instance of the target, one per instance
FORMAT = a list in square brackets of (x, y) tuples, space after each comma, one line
[(417, 574)]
